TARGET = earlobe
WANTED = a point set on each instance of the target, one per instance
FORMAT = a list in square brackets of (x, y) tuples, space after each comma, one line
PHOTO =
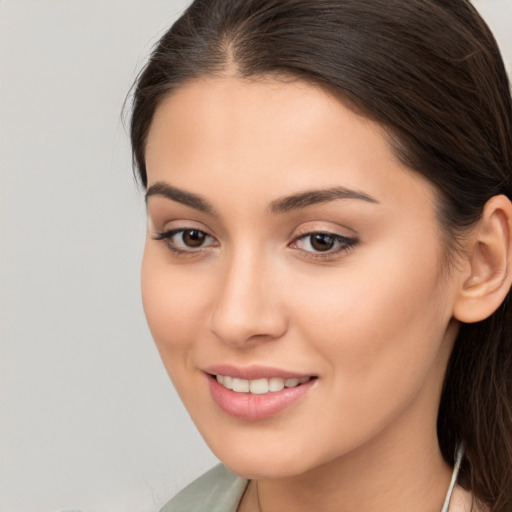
[(489, 263)]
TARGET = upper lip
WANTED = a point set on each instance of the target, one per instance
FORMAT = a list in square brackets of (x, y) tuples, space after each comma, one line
[(253, 372)]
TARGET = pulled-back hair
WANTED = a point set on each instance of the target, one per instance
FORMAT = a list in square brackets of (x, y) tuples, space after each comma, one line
[(431, 73)]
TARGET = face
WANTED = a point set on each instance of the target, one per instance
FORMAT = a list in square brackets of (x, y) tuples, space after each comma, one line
[(292, 255)]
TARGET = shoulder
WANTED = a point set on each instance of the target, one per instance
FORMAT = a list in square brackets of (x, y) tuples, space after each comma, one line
[(218, 490), (463, 501)]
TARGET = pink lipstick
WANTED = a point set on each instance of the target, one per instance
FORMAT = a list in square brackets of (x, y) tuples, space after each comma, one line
[(257, 392)]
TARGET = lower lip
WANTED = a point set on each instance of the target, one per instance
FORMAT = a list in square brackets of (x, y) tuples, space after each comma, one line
[(252, 407)]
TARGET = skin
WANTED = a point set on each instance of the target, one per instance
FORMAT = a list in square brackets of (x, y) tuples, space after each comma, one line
[(373, 321)]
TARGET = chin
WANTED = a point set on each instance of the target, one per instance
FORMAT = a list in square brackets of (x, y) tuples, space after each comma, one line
[(270, 469), (261, 464)]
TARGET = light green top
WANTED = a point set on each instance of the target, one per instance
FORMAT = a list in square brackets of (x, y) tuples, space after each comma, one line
[(218, 490)]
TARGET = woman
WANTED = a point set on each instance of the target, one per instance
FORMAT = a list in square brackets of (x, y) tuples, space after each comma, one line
[(328, 265)]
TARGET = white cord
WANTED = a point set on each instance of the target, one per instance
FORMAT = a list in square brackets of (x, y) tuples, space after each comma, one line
[(455, 474)]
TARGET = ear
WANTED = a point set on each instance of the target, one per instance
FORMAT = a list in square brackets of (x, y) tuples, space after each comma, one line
[(487, 275)]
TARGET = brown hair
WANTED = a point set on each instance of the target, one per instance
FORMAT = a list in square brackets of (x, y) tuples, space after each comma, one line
[(431, 73)]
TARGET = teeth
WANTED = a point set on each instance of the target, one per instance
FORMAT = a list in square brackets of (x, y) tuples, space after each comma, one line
[(259, 386), (241, 385), (275, 384)]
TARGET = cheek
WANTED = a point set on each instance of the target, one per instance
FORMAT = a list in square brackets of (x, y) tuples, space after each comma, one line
[(380, 330), (379, 335), (172, 302)]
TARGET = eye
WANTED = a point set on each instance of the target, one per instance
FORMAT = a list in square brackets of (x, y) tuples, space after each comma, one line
[(320, 242), (192, 237), (186, 240)]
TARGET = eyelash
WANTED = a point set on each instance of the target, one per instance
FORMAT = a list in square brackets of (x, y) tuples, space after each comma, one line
[(167, 238), (343, 243)]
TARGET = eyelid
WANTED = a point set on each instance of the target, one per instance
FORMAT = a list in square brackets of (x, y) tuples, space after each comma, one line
[(164, 223), (324, 226)]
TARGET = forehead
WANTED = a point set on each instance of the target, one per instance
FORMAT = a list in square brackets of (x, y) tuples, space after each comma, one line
[(272, 136), (274, 112)]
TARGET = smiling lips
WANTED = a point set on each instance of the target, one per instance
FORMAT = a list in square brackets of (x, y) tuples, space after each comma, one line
[(256, 397)]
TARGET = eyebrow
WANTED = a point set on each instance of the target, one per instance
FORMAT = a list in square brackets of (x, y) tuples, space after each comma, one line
[(279, 206), (313, 197), (180, 196)]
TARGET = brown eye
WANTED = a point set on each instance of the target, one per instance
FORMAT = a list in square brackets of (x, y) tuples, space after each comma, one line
[(193, 238), (322, 242), (182, 241), (327, 243)]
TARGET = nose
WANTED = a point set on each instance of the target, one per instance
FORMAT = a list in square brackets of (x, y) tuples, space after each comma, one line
[(248, 308)]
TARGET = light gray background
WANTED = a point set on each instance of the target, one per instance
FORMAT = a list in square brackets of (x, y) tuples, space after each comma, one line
[(88, 418)]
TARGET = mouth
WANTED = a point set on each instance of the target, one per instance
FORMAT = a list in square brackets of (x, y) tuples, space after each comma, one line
[(261, 386), (260, 397)]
